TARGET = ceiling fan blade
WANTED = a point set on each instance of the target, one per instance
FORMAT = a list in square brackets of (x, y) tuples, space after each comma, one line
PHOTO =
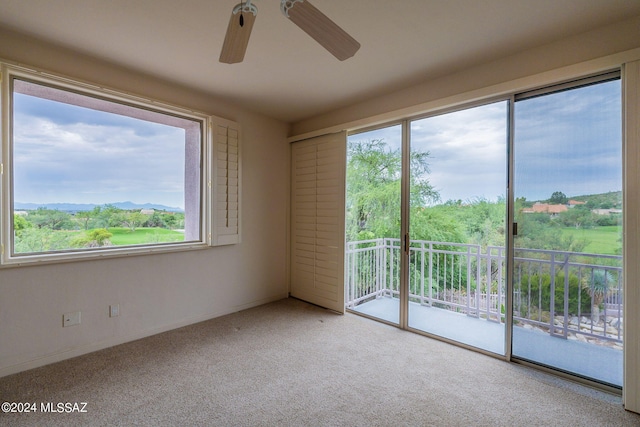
[(237, 37), (321, 28)]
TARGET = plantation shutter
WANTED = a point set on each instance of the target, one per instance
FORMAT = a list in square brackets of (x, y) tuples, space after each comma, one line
[(226, 183), (317, 220)]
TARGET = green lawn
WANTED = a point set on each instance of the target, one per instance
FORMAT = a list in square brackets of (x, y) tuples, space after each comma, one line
[(602, 240), (124, 236)]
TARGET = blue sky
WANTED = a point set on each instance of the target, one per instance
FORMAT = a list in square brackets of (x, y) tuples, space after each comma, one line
[(468, 151), (568, 141), (65, 153)]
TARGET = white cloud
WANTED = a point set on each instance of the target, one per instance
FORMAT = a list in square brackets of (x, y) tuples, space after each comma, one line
[(568, 141), (468, 151), (96, 160)]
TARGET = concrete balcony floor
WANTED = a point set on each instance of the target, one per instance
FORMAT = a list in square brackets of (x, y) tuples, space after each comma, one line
[(592, 361)]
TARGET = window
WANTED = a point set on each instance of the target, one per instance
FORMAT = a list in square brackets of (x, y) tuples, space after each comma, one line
[(88, 172)]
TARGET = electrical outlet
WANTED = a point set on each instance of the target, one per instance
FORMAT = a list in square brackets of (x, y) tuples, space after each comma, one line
[(70, 319), (114, 310)]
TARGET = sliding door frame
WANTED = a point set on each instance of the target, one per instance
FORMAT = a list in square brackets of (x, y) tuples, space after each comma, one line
[(405, 236), (406, 165), (631, 241), (404, 225), (614, 73), (510, 253), (600, 76)]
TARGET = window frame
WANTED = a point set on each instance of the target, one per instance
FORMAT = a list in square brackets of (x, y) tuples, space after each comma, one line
[(207, 182)]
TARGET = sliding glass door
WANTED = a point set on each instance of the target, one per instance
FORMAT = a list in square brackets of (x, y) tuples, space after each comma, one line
[(373, 199), (427, 230), (457, 211), (457, 221), (567, 267)]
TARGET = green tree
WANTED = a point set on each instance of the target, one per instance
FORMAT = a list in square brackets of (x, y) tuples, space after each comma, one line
[(483, 221), (110, 216), (157, 220), (558, 198), (52, 219), (538, 230), (132, 220), (374, 172), (35, 239), (598, 285), (94, 238), (84, 217), (578, 217), (170, 220), (435, 225), (179, 220), (20, 223)]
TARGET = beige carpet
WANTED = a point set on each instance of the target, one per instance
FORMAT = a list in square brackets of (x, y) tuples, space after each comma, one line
[(293, 364)]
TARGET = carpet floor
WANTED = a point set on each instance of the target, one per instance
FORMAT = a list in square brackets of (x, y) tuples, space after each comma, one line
[(293, 364)]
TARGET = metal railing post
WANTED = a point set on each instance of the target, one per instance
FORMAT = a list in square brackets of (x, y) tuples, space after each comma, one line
[(565, 324), (430, 274), (500, 296), (421, 273), (469, 283), (552, 309)]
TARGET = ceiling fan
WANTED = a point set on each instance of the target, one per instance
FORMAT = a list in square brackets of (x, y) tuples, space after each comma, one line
[(303, 14)]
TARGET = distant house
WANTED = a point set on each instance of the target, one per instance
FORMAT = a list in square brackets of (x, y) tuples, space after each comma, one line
[(147, 211), (607, 211), (546, 208), (573, 203)]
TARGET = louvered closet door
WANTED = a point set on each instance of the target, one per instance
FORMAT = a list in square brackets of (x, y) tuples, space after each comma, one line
[(317, 220)]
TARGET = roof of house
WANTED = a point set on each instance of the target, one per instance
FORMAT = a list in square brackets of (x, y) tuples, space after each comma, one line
[(546, 208)]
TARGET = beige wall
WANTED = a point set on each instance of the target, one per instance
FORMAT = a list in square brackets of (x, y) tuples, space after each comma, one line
[(155, 292)]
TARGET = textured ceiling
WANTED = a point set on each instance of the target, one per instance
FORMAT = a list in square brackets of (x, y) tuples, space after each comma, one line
[(286, 74)]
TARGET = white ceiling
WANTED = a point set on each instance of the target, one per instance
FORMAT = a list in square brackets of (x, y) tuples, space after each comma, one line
[(286, 74)]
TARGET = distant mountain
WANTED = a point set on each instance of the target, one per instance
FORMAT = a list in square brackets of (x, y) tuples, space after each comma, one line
[(77, 207), (612, 199)]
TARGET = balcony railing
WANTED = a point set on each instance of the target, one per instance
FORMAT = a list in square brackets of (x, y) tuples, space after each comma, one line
[(567, 294)]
